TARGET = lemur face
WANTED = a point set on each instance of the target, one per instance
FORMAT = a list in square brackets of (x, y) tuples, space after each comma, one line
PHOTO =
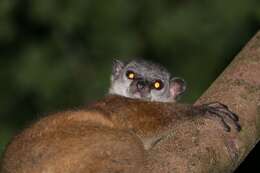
[(145, 80)]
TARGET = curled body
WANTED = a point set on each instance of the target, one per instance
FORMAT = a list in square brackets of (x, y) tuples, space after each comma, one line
[(111, 135)]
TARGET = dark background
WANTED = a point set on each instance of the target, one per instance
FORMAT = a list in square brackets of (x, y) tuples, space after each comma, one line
[(57, 54)]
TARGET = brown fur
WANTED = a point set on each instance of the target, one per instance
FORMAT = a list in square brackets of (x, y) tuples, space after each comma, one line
[(109, 136)]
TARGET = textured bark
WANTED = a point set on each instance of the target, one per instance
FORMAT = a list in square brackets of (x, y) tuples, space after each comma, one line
[(201, 146)]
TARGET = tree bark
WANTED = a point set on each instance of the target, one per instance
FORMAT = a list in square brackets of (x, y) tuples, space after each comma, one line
[(202, 146)]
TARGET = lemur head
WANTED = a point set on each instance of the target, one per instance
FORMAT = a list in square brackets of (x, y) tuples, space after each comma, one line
[(145, 80)]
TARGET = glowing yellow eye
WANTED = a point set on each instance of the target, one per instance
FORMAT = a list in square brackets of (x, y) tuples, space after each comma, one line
[(157, 85), (130, 75)]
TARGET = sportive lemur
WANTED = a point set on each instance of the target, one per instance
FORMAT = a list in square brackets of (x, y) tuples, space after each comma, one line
[(114, 134)]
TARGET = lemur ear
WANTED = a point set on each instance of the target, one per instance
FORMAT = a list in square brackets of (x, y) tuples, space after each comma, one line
[(177, 87), (117, 67)]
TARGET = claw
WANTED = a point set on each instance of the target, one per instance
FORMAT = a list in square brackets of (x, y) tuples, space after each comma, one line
[(235, 116), (238, 127), (226, 126), (222, 111)]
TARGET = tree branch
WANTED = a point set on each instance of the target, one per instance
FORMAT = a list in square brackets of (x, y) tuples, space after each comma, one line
[(201, 146)]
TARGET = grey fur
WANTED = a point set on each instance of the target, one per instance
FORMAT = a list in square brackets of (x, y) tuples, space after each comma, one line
[(146, 73)]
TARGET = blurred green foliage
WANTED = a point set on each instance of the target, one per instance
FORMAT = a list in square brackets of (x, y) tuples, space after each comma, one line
[(57, 54)]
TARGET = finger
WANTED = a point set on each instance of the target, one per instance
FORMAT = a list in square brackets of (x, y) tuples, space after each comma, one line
[(228, 113), (217, 105), (223, 122)]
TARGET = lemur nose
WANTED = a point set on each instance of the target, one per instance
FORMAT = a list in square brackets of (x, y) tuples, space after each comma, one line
[(140, 84)]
